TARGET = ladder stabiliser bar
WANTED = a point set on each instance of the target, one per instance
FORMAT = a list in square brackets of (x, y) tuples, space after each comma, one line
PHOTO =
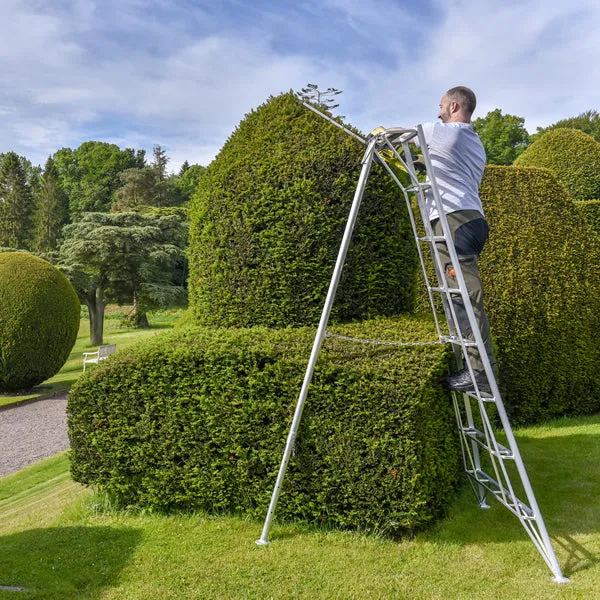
[(476, 434)]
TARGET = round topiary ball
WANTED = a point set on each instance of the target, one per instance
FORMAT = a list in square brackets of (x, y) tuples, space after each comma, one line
[(39, 320), (573, 157)]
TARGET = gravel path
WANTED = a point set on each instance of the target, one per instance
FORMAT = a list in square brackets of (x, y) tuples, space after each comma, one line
[(32, 431)]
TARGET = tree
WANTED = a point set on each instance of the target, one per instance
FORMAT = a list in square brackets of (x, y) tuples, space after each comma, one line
[(90, 174), (121, 256), (588, 122), (188, 181), (51, 210), (504, 137), (323, 99), (161, 160), (16, 204), (184, 167), (139, 189)]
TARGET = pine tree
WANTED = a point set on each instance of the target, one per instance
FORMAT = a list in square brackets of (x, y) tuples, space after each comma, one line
[(184, 167), (160, 162), (16, 204), (51, 209)]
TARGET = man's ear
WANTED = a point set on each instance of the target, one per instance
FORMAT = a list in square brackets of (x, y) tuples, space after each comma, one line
[(454, 106)]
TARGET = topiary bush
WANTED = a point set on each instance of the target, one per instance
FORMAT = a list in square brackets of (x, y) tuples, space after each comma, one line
[(541, 275), (590, 210), (267, 222), (573, 157), (198, 419), (39, 320)]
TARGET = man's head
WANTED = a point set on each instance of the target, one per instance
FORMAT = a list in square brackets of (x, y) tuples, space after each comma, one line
[(457, 105)]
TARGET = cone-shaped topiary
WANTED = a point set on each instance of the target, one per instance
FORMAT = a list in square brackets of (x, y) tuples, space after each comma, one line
[(267, 223), (573, 157), (39, 320), (541, 275)]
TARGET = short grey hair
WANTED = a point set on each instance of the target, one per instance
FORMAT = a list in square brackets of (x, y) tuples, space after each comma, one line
[(464, 96)]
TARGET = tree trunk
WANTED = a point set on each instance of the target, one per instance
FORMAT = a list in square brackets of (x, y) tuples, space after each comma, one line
[(95, 304), (140, 317)]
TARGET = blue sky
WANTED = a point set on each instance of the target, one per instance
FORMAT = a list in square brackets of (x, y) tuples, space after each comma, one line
[(183, 73)]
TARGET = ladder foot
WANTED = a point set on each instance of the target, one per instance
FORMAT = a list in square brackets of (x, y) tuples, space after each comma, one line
[(560, 579), (484, 505), (262, 542)]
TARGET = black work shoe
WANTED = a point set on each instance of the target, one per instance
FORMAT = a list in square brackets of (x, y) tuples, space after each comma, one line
[(462, 382)]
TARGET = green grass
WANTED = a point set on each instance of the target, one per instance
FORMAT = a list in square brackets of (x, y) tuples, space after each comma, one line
[(59, 541), (114, 333)]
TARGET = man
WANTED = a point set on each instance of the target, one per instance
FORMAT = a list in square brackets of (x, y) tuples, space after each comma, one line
[(458, 161)]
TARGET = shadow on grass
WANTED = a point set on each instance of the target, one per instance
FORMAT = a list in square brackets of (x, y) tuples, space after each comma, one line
[(65, 562), (563, 470)]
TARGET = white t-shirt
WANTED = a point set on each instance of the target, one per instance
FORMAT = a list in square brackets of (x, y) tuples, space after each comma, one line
[(458, 160)]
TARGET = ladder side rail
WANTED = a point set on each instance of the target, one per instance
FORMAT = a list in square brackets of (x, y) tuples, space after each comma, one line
[(458, 270), (449, 309), (319, 337), (486, 361), (476, 457), (472, 454), (419, 249), (492, 442)]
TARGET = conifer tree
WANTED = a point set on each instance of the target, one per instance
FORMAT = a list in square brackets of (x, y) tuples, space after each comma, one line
[(51, 209), (16, 204)]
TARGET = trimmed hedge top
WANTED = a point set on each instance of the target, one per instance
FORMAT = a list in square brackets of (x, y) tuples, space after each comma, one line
[(267, 222), (541, 274), (573, 157), (39, 320), (199, 418)]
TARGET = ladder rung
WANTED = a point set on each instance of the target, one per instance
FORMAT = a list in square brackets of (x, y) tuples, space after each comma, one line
[(433, 238), (478, 436), (452, 340), (422, 186), (445, 289), (493, 486), (485, 396)]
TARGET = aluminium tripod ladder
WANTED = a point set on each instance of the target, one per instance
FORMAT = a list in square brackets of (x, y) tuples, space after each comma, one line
[(489, 465)]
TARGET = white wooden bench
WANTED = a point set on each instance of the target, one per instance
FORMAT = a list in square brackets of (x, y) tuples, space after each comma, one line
[(102, 353)]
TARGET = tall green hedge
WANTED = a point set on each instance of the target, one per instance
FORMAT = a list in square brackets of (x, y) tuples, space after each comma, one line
[(590, 210), (39, 320), (574, 158), (541, 274), (199, 418), (267, 222)]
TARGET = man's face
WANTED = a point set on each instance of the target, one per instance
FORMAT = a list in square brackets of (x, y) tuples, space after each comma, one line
[(444, 113)]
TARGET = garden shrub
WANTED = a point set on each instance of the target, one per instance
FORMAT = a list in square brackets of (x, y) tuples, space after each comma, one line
[(267, 222), (198, 419), (541, 275), (590, 210), (39, 320), (573, 157)]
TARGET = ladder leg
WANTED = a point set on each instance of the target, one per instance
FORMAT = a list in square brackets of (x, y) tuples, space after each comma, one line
[(318, 342)]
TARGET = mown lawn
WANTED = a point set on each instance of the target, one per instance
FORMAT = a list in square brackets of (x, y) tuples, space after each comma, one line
[(58, 541), (114, 333)]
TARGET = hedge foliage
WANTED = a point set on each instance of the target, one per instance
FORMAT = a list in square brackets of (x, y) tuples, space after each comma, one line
[(590, 210), (267, 222), (39, 320), (572, 155), (198, 419), (541, 275)]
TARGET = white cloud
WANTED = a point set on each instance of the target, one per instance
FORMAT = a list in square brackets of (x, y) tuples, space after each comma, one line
[(183, 74)]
